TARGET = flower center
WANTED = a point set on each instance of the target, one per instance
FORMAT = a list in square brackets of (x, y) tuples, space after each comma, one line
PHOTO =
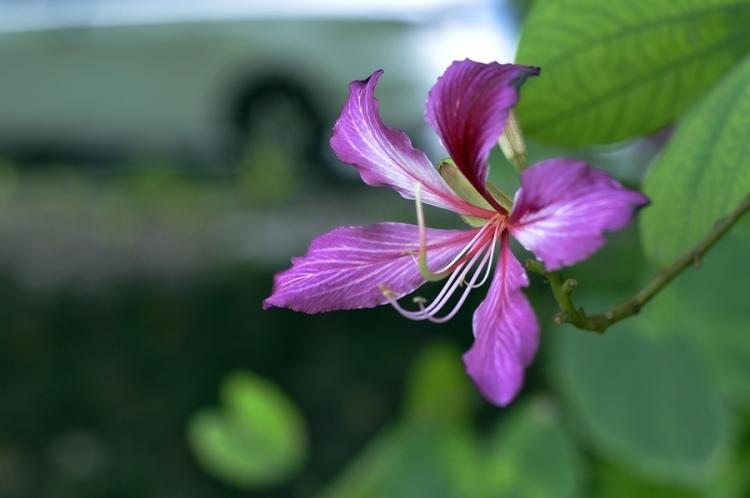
[(463, 272), (474, 258)]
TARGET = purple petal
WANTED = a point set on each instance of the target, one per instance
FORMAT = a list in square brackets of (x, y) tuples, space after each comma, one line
[(506, 333), (564, 207), (344, 268), (384, 155), (468, 108)]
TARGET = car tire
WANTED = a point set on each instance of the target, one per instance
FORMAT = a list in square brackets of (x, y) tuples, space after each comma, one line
[(277, 119)]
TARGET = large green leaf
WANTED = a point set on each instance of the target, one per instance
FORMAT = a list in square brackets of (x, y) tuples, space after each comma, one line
[(413, 461), (734, 481), (703, 173), (431, 452), (709, 308), (532, 456), (643, 398), (255, 438), (620, 68), (612, 481)]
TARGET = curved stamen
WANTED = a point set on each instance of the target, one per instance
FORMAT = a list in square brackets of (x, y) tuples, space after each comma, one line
[(468, 250), (450, 286), (469, 287), (463, 255), (456, 280), (453, 283), (441, 299), (492, 255)]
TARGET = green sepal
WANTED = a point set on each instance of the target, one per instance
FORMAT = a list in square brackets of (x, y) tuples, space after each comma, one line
[(465, 190), (512, 144), (501, 197), (460, 185), (473, 221)]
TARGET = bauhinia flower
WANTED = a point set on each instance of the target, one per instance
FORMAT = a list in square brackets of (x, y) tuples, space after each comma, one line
[(560, 213)]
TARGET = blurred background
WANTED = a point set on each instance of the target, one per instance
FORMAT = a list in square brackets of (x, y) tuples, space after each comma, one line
[(160, 160)]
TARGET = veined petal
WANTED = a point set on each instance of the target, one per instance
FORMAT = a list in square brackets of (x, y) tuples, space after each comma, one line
[(468, 107), (506, 332), (384, 155), (344, 268), (563, 208)]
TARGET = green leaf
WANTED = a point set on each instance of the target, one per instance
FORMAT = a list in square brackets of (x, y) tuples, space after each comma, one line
[(256, 438), (643, 398), (616, 69), (531, 456), (413, 461), (734, 480), (709, 309), (616, 482), (431, 452), (704, 172)]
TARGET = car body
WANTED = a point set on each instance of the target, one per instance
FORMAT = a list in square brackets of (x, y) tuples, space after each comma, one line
[(176, 75)]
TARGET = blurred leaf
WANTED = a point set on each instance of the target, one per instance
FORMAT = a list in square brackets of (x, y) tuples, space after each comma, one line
[(616, 482), (256, 438), (643, 398), (413, 461), (531, 456), (431, 452), (708, 306), (734, 480), (703, 173), (438, 388), (621, 68)]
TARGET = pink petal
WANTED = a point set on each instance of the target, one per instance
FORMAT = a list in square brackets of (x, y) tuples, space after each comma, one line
[(384, 155), (564, 207), (506, 333), (468, 108), (344, 268)]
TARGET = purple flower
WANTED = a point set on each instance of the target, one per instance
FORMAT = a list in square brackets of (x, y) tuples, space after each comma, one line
[(560, 213)]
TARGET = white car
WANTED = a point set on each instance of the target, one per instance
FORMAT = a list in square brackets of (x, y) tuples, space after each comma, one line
[(199, 77)]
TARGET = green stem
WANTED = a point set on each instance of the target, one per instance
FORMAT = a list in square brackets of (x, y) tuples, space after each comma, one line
[(562, 288)]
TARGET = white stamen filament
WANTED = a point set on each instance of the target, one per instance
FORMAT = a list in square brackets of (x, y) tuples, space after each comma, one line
[(442, 298), (462, 299), (466, 248), (456, 279), (492, 255), (422, 260)]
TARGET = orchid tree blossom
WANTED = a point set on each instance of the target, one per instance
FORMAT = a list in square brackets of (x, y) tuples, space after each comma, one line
[(560, 213)]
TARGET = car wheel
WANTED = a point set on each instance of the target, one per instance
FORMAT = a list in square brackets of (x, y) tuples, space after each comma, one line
[(279, 122)]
